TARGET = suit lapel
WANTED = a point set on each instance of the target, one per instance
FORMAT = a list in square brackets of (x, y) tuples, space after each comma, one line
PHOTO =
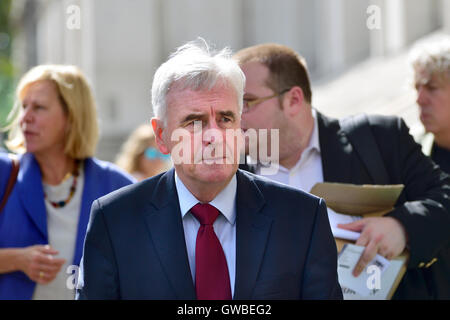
[(252, 231), (31, 193), (336, 151), (166, 229)]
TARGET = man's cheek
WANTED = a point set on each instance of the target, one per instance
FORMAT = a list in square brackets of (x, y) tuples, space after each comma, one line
[(182, 147)]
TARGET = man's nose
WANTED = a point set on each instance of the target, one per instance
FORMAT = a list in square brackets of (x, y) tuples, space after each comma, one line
[(210, 131), (422, 96), (244, 120), (212, 124)]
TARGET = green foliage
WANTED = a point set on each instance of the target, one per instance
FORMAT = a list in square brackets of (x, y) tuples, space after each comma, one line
[(6, 66)]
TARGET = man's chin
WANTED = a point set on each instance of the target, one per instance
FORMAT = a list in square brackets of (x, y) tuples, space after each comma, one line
[(429, 126), (216, 173)]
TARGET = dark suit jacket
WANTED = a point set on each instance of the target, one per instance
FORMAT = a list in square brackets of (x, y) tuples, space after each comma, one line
[(422, 208), (135, 246)]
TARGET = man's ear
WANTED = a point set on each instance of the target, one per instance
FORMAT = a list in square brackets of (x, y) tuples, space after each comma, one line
[(294, 100), (158, 128)]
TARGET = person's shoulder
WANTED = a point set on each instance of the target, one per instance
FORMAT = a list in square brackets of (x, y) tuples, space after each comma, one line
[(5, 170), (132, 194), (276, 190), (5, 161), (387, 127), (387, 121), (382, 126), (374, 120), (6, 166), (103, 165), (109, 169)]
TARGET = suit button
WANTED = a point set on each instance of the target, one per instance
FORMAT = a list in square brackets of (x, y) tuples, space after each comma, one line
[(431, 262), (422, 264)]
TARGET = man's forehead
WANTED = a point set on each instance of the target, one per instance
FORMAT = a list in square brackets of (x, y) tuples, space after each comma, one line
[(423, 77), (255, 69), (257, 76), (220, 89), (202, 101), (206, 110)]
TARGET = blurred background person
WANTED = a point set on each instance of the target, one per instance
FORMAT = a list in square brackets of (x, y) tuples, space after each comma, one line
[(430, 61), (431, 64), (43, 224), (140, 156)]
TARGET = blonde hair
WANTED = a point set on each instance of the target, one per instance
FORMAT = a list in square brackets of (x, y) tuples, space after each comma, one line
[(78, 102), (134, 147)]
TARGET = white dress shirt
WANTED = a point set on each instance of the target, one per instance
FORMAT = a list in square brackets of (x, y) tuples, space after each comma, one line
[(308, 170), (224, 226)]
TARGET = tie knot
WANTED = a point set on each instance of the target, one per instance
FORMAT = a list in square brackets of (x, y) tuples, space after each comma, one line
[(205, 213)]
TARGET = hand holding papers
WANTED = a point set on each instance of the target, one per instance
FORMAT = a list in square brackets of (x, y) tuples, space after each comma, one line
[(339, 218), (369, 281), (349, 204), (378, 281)]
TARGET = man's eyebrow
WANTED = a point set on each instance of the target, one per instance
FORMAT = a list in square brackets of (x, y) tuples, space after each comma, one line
[(193, 116), (230, 114)]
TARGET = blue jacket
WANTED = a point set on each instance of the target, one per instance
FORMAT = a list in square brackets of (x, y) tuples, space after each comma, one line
[(23, 220)]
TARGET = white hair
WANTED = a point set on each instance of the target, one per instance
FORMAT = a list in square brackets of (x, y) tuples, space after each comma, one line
[(432, 57), (195, 66)]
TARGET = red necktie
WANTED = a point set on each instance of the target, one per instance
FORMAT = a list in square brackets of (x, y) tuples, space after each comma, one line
[(212, 281)]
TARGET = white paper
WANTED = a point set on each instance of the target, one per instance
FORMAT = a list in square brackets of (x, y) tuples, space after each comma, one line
[(339, 218), (387, 281), (370, 279)]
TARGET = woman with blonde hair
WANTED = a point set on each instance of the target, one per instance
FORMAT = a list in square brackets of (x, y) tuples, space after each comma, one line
[(46, 207), (140, 156)]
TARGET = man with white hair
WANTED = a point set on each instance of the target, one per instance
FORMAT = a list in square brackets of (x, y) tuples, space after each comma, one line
[(431, 64), (205, 229)]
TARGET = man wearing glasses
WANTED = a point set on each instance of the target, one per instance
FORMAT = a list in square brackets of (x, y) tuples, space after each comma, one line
[(361, 150)]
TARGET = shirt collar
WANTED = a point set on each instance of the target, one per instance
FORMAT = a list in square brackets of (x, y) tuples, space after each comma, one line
[(225, 201), (314, 140)]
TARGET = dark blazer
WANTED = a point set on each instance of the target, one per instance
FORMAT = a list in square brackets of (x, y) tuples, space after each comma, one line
[(135, 246), (423, 207), (23, 221)]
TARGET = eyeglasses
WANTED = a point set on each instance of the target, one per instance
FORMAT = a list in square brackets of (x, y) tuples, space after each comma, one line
[(249, 103), (153, 154)]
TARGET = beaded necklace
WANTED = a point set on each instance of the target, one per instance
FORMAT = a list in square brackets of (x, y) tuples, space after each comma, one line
[(73, 188)]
